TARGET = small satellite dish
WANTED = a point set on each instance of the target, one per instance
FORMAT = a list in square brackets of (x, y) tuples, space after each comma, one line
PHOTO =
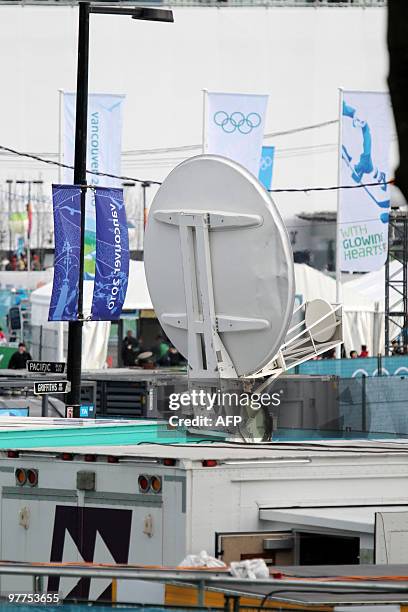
[(219, 268), (321, 319), (318, 329)]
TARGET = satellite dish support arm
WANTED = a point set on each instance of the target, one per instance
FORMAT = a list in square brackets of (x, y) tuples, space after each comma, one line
[(207, 355)]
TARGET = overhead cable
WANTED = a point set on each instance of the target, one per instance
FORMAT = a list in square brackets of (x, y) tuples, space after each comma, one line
[(152, 182)]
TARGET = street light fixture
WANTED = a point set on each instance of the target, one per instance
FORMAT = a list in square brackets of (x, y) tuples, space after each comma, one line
[(74, 356), (137, 12)]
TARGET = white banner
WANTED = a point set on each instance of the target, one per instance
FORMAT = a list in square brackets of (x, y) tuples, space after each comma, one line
[(104, 137), (234, 127), (104, 149), (366, 124)]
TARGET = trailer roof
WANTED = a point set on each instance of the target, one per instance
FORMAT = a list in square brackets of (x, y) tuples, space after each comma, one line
[(296, 452), (154, 439), (359, 519)]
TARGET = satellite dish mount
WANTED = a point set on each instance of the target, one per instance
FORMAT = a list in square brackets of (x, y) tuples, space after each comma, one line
[(208, 358)]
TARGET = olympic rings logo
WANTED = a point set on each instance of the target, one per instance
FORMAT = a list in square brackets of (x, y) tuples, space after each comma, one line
[(237, 121), (266, 162)]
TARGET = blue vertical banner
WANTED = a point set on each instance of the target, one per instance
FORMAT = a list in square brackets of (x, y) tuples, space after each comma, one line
[(67, 231), (266, 167), (112, 255)]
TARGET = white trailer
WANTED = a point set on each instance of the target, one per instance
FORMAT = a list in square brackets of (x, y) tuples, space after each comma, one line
[(152, 504)]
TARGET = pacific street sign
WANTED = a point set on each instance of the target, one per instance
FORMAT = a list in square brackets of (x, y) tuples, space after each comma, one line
[(46, 367)]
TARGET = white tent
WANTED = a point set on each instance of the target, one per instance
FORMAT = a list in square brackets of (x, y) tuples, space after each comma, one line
[(137, 296), (95, 334), (372, 286)]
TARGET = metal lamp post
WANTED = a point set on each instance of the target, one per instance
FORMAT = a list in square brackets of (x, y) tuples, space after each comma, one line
[(74, 357)]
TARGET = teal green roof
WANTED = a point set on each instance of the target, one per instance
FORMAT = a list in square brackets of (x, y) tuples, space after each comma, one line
[(110, 433)]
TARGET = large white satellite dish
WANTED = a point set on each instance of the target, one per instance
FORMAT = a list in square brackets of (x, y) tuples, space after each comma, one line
[(219, 268)]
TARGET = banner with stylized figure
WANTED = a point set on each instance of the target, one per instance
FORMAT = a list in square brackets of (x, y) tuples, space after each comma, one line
[(362, 225), (112, 255), (105, 112), (234, 127), (266, 167), (67, 231)]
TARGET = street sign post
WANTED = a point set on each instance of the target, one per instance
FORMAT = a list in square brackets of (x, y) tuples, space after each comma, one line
[(52, 386), (46, 367), (74, 352)]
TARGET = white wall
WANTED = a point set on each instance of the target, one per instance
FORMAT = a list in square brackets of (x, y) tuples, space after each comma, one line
[(298, 56)]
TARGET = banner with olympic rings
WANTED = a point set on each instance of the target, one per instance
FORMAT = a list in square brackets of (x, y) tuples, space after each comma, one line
[(234, 127), (266, 166)]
